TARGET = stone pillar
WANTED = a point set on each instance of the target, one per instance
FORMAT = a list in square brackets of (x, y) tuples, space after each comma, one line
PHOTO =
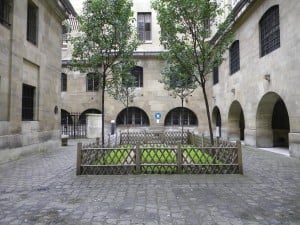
[(264, 137), (294, 144), (250, 137), (94, 125)]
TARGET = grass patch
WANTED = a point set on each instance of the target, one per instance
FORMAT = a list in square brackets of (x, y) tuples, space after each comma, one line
[(156, 154)]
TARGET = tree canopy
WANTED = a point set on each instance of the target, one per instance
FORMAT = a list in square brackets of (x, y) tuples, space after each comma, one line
[(186, 33), (106, 42)]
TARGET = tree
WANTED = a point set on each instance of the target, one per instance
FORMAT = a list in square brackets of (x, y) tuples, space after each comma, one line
[(179, 83), (122, 87), (106, 41), (186, 34)]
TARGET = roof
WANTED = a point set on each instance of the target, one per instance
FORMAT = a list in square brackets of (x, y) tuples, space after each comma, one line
[(68, 6)]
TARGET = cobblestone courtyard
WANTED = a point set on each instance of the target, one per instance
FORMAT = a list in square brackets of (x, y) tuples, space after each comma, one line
[(43, 189)]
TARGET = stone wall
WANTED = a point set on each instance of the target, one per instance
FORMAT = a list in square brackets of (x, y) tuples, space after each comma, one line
[(22, 62), (262, 80)]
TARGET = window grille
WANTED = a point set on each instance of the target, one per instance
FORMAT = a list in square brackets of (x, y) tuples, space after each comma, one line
[(144, 26), (28, 93), (179, 116), (32, 22), (92, 82), (64, 82), (5, 7), (269, 31), (136, 117), (234, 57)]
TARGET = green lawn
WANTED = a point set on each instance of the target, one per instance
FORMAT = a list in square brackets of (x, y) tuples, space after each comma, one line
[(158, 154)]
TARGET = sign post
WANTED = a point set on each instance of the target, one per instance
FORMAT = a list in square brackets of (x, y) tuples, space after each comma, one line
[(157, 116)]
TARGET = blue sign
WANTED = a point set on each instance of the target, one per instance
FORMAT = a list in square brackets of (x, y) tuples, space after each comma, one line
[(157, 115)]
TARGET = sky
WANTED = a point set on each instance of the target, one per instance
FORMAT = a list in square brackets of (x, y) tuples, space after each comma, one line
[(77, 4)]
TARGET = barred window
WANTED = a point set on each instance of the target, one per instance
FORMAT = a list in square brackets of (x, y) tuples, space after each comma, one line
[(269, 31), (5, 7), (234, 52), (92, 82), (179, 116), (64, 82), (28, 94), (215, 75), (144, 26), (136, 117), (32, 22)]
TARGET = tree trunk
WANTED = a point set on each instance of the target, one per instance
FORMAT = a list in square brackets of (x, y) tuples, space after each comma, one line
[(208, 114), (181, 114), (127, 125), (103, 101)]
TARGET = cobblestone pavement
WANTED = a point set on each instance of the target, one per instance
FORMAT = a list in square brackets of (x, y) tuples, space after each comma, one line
[(43, 189)]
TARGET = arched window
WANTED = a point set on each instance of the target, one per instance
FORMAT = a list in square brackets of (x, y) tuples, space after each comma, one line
[(64, 82), (179, 116), (92, 82), (234, 52), (269, 31), (136, 117)]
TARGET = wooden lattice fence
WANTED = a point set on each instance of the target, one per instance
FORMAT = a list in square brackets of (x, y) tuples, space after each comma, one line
[(222, 158), (158, 137)]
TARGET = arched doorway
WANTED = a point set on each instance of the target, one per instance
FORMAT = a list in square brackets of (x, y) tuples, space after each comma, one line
[(272, 122), (217, 121), (236, 122), (82, 117), (136, 117), (65, 117)]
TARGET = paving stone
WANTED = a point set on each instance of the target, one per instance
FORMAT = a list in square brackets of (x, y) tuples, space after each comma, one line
[(43, 189)]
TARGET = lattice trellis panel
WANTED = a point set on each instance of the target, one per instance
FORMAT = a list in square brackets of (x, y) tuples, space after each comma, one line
[(158, 159)]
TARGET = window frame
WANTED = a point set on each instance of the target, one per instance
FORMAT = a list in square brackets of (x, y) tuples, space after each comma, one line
[(32, 23), (142, 26), (5, 12), (174, 117), (28, 102), (64, 82), (92, 82), (138, 73), (215, 75), (269, 31), (234, 55), (136, 117)]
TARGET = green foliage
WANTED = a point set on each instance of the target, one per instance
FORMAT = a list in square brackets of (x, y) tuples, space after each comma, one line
[(107, 37), (186, 31), (106, 42)]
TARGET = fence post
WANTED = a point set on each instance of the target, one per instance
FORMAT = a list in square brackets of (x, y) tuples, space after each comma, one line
[(202, 140), (179, 159), (239, 155), (78, 163), (138, 159), (145, 137)]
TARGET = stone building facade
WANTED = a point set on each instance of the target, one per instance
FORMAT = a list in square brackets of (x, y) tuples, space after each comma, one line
[(253, 94), (30, 67)]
